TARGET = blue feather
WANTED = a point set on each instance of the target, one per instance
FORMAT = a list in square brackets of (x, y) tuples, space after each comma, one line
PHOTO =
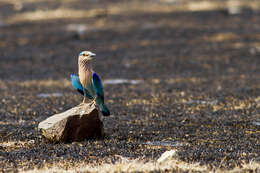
[(96, 82), (77, 85), (81, 53), (80, 91)]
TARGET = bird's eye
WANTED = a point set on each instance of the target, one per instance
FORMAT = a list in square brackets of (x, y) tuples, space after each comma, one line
[(84, 54)]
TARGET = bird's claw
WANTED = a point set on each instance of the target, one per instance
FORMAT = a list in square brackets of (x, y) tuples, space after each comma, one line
[(93, 102)]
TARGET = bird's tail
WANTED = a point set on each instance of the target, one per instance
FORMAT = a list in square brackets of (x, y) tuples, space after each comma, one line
[(102, 107)]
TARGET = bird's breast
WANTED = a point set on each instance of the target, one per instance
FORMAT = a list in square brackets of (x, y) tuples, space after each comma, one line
[(85, 78)]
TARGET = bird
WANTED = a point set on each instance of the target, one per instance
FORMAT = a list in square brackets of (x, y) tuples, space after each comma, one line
[(88, 82)]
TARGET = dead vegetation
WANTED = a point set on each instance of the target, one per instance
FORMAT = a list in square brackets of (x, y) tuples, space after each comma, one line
[(178, 75)]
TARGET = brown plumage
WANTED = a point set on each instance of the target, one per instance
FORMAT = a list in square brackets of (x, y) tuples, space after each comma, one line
[(85, 72)]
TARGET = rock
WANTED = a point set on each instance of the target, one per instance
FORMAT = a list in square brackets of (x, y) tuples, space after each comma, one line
[(76, 124), (167, 155)]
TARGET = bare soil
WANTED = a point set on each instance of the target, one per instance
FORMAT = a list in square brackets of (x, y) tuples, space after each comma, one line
[(199, 89)]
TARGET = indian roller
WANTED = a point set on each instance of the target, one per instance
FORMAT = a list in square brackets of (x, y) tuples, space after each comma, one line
[(88, 82)]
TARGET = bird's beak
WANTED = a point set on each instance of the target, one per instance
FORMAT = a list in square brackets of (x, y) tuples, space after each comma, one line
[(92, 55)]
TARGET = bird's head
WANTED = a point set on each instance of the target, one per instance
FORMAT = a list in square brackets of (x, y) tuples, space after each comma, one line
[(86, 55)]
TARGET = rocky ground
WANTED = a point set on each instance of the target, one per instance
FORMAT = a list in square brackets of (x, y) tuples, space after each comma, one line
[(182, 75)]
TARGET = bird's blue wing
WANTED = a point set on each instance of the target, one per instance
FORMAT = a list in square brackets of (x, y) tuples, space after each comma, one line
[(97, 84), (76, 83)]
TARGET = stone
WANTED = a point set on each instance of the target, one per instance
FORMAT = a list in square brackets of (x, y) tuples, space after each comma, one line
[(76, 124), (167, 155)]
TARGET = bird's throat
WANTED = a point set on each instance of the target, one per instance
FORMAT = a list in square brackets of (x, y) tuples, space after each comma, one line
[(85, 72), (85, 65)]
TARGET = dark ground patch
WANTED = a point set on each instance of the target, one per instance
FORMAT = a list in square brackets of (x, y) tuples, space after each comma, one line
[(201, 86)]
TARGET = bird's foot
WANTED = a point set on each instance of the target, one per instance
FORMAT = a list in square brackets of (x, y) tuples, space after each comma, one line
[(93, 102), (83, 102)]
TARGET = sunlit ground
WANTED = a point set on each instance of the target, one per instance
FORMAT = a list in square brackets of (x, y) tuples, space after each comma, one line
[(178, 75)]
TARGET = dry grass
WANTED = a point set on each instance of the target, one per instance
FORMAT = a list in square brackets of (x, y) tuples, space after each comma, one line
[(130, 7), (188, 102), (221, 37), (126, 165), (45, 83), (136, 165), (61, 13)]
